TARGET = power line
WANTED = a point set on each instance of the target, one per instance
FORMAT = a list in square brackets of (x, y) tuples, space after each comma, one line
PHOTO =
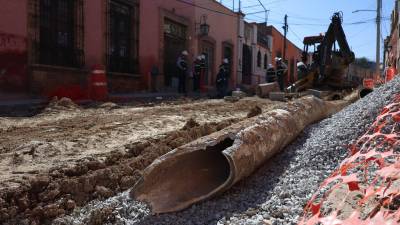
[(294, 33), (205, 8)]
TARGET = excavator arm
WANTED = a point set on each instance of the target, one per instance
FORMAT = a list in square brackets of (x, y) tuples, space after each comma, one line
[(335, 33), (329, 64)]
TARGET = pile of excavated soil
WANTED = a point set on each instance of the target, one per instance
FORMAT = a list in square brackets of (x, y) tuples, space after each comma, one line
[(276, 193), (52, 163), (58, 105)]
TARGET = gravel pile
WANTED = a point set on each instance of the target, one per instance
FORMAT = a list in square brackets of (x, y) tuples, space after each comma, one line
[(277, 192)]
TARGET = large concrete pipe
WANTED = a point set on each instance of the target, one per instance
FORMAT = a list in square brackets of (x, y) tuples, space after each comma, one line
[(214, 163)]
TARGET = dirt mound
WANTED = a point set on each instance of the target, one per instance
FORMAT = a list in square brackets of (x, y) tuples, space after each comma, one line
[(109, 106), (63, 104), (190, 124), (255, 111)]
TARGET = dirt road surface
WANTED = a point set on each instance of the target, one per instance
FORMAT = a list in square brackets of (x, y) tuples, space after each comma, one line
[(68, 155)]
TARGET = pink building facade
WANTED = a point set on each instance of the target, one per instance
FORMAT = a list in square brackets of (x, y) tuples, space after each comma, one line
[(168, 27), (48, 47)]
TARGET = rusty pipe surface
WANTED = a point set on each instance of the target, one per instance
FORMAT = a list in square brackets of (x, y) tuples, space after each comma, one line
[(212, 164)]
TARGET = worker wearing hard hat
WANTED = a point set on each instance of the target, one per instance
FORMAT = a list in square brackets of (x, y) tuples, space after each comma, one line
[(223, 78), (281, 69), (197, 67), (271, 74), (182, 68), (302, 70)]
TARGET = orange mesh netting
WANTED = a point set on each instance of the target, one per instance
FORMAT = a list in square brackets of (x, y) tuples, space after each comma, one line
[(366, 187)]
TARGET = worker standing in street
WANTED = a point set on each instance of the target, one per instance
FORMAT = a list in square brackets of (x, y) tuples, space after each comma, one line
[(281, 69), (197, 64), (302, 70), (203, 71), (223, 78), (182, 68), (271, 74)]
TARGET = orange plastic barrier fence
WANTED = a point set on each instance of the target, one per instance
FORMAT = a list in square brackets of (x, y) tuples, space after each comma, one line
[(366, 187)]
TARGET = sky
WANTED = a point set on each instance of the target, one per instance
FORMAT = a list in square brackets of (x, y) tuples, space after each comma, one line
[(312, 17)]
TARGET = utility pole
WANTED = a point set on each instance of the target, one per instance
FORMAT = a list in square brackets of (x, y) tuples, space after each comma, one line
[(285, 29), (378, 37)]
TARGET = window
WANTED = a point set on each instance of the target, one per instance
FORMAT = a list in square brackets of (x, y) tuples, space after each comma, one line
[(122, 41), (265, 61), (57, 32), (259, 59)]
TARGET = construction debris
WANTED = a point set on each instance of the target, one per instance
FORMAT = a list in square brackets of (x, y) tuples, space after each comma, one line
[(263, 90), (277, 192), (214, 163), (75, 151)]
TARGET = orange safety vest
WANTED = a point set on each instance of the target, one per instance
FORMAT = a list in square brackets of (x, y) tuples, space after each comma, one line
[(390, 73)]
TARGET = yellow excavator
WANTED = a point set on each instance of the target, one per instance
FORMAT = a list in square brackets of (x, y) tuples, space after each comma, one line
[(324, 67)]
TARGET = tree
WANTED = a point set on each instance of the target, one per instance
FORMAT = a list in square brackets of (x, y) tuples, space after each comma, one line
[(365, 63)]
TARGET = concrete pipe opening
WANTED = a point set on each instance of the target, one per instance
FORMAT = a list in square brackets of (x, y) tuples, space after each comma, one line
[(365, 92), (185, 179)]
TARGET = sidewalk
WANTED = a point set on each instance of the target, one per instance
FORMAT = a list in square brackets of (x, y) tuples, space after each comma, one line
[(20, 104)]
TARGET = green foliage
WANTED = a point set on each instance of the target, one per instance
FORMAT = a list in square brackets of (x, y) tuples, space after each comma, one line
[(364, 63)]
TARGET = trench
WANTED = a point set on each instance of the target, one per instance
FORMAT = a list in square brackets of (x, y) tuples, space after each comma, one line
[(191, 176)]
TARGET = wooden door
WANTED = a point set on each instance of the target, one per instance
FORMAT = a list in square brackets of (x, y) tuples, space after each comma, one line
[(208, 51)]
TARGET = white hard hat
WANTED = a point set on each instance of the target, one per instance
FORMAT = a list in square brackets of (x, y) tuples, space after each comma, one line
[(199, 57), (203, 56), (278, 59), (270, 66), (300, 64), (226, 60), (185, 53)]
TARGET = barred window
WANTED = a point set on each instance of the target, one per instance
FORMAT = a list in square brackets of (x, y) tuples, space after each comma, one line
[(57, 32), (122, 36)]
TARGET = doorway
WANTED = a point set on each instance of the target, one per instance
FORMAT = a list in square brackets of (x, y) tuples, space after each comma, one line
[(174, 44), (227, 53), (208, 50), (247, 62)]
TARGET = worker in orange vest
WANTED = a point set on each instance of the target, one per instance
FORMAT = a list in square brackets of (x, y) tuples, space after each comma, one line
[(390, 73)]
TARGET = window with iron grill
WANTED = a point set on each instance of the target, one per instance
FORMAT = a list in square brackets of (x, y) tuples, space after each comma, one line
[(122, 41), (259, 59), (57, 32)]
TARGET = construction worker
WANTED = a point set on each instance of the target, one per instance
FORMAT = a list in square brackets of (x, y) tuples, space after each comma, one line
[(271, 74), (390, 73), (182, 70), (203, 70), (222, 78), (281, 69), (302, 70), (198, 66)]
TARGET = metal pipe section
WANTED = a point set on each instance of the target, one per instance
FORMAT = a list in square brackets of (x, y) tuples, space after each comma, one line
[(214, 163)]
